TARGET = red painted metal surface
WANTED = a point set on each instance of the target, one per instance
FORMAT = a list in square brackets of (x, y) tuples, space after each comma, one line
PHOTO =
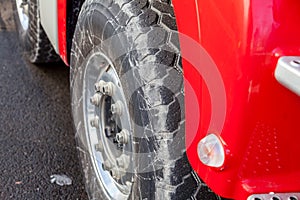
[(260, 131), (61, 29)]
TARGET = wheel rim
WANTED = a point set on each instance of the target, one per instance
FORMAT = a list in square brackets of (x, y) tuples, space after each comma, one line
[(22, 9), (107, 126)]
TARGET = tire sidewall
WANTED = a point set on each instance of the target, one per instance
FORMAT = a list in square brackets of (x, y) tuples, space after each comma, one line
[(84, 45)]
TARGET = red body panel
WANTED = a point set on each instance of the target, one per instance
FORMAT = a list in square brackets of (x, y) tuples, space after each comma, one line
[(62, 34), (260, 131)]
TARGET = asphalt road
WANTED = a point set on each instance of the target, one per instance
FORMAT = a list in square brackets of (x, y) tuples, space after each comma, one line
[(36, 133)]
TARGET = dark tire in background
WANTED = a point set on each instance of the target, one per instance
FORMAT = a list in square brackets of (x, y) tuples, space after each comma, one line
[(35, 42), (126, 52)]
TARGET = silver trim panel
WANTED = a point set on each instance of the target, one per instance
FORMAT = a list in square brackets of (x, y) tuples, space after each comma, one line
[(274, 196), (287, 73)]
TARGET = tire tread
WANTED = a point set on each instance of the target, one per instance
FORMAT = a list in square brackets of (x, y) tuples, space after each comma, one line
[(176, 179)]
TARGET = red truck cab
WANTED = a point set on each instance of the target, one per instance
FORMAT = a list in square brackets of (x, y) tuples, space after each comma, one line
[(241, 74)]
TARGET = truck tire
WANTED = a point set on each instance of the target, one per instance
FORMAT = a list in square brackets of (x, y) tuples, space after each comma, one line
[(35, 43), (128, 102)]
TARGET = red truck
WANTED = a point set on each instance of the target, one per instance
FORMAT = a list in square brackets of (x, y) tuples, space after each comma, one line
[(177, 99)]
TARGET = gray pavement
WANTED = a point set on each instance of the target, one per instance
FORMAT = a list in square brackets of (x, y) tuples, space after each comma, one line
[(36, 133)]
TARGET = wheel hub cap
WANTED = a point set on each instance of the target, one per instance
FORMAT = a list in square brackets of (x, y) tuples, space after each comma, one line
[(108, 126)]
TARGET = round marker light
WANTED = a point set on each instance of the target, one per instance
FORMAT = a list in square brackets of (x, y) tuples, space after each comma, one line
[(211, 151)]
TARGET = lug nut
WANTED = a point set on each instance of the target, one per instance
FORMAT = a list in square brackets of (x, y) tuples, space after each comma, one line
[(120, 162), (116, 109), (95, 122), (115, 173), (99, 147), (122, 137), (107, 131), (123, 161), (128, 183), (99, 85), (95, 100), (107, 165), (106, 88)]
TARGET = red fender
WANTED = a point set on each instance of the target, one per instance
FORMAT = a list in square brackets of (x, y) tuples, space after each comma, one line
[(243, 41), (61, 29)]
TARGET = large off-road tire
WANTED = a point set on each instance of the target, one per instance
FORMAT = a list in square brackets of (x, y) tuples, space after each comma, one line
[(129, 50), (36, 45)]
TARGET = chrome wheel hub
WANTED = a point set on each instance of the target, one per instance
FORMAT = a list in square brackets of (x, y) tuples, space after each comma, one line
[(108, 127)]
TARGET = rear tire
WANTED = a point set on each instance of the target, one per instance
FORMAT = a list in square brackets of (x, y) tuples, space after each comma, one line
[(137, 39), (34, 40)]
